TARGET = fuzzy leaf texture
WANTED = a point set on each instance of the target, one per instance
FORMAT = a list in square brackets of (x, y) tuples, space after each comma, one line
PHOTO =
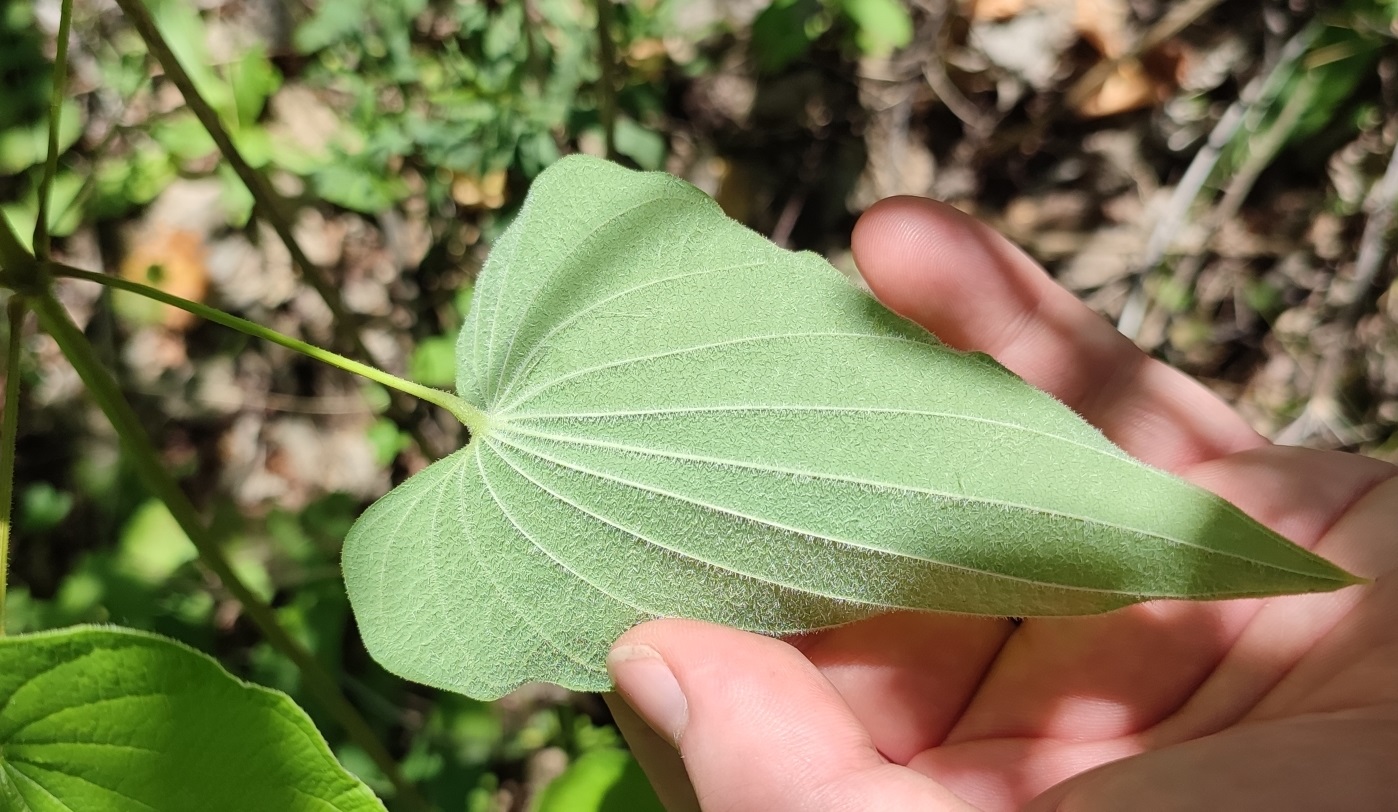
[(685, 420), (124, 721)]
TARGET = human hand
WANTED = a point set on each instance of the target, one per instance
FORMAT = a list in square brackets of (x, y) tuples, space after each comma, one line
[(1265, 704)]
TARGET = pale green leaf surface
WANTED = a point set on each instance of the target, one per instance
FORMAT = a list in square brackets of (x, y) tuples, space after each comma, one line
[(124, 721), (684, 419)]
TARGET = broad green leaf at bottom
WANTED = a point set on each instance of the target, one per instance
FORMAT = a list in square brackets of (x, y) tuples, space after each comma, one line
[(123, 721), (684, 419)]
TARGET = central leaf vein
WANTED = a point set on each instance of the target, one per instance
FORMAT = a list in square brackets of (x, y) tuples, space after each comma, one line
[(739, 515), (1104, 449), (796, 472)]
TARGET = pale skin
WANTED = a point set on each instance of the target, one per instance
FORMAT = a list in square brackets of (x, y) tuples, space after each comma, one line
[(1276, 704)]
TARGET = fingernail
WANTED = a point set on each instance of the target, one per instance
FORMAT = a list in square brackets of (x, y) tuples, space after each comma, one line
[(645, 682)]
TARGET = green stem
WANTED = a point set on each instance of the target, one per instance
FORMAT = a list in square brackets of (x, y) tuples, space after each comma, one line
[(9, 428), (60, 86), (470, 416), (606, 56), (103, 388)]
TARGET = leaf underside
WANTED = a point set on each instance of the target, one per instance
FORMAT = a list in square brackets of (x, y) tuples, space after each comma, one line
[(124, 721), (685, 420)]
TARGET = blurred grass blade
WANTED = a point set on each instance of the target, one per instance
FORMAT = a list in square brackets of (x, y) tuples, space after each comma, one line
[(60, 87)]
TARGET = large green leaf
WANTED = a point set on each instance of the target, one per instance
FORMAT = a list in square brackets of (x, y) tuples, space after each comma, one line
[(684, 419), (124, 721)]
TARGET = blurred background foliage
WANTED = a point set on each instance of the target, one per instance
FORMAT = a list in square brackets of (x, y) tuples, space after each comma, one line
[(1217, 178)]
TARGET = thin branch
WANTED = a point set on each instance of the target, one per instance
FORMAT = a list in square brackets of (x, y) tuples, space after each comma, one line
[(143, 455), (1204, 161), (934, 72), (60, 86)]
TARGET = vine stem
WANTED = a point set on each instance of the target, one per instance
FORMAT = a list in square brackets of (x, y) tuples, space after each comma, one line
[(469, 415), (60, 85), (103, 388), (9, 429)]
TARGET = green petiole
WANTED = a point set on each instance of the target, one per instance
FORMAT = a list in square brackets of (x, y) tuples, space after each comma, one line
[(469, 415)]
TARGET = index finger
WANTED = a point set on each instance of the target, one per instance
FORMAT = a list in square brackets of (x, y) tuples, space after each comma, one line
[(976, 291)]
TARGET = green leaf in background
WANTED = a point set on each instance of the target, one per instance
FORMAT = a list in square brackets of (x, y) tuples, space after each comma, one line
[(433, 361), (607, 780), (644, 146), (26, 145), (329, 23), (387, 440), (252, 80), (42, 507), (784, 31), (357, 188), (125, 182), (684, 419), (124, 721), (183, 29), (152, 546), (65, 211), (183, 136), (880, 26)]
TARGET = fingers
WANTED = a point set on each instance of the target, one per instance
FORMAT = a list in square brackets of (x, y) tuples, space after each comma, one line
[(1338, 762), (1316, 653), (656, 755), (907, 676), (973, 289), (757, 725)]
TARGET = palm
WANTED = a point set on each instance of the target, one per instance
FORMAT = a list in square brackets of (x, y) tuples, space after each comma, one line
[(1298, 689)]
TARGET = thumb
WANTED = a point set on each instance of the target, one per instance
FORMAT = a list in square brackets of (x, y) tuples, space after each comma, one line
[(758, 726)]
